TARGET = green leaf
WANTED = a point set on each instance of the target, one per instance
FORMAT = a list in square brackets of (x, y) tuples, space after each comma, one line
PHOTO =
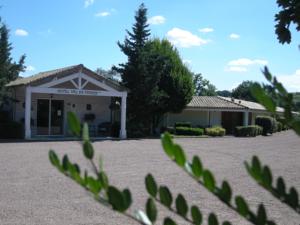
[(151, 210), (293, 198), (197, 167), (259, 93), (267, 177), (103, 179), (141, 216), (85, 132), (151, 185), (165, 196), (241, 206), (261, 215), (54, 159), (167, 144), (181, 205), (116, 199), (280, 186), (65, 162), (209, 181), (127, 198), (256, 168), (74, 124), (225, 192), (88, 150), (196, 215), (212, 219), (267, 74), (169, 221), (93, 185), (179, 155)]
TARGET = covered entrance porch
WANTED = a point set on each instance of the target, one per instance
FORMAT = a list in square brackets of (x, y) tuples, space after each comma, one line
[(45, 99)]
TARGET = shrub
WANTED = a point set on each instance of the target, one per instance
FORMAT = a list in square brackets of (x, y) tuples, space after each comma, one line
[(215, 131), (189, 131), (248, 131), (267, 123), (279, 126), (11, 129), (182, 124)]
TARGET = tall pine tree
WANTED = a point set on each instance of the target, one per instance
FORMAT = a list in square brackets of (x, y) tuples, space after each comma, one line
[(133, 73), (9, 69)]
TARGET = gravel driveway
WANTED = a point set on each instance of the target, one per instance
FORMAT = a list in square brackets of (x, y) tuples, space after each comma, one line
[(33, 192)]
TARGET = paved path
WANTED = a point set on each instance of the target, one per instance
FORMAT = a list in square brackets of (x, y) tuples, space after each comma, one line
[(33, 192)]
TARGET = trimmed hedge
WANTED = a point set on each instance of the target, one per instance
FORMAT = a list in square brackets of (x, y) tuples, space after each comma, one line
[(267, 123), (11, 129), (170, 130), (189, 131), (215, 131), (248, 131), (182, 124)]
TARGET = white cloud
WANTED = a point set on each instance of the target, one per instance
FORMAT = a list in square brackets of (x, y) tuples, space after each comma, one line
[(247, 62), (206, 30), (156, 20), (234, 36), (87, 3), (21, 32), (102, 14), (30, 68), (243, 64), (292, 81), (236, 69), (184, 38)]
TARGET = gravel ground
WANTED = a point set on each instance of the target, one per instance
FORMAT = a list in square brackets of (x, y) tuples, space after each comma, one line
[(33, 192)]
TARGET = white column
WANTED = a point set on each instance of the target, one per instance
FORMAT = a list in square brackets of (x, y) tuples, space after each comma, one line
[(246, 118), (28, 113), (123, 133)]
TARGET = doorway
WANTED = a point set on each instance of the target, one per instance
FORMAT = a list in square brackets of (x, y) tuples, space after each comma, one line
[(50, 117)]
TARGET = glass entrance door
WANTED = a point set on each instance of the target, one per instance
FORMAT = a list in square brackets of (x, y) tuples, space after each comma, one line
[(57, 107), (50, 117)]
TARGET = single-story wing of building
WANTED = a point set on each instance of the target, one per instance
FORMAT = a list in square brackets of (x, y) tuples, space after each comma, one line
[(208, 111), (43, 100)]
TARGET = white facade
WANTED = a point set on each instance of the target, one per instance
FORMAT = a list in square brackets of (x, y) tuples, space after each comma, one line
[(43, 103)]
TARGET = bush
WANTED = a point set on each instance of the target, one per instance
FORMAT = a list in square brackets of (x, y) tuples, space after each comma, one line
[(248, 131), (189, 131), (279, 126), (182, 124), (215, 131), (11, 129), (267, 123)]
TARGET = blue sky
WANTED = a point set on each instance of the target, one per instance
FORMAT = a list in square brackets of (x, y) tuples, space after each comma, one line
[(227, 41)]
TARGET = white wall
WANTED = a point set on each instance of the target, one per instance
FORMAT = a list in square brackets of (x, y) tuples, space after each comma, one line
[(195, 117), (100, 107)]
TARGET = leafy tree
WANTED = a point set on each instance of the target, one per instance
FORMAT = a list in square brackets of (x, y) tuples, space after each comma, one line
[(243, 91), (289, 14), (203, 87), (224, 93), (169, 78), (9, 69)]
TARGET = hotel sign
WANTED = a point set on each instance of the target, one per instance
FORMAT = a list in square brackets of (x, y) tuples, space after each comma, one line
[(79, 92)]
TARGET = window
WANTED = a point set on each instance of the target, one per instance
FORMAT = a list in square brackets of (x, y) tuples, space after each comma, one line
[(88, 107)]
